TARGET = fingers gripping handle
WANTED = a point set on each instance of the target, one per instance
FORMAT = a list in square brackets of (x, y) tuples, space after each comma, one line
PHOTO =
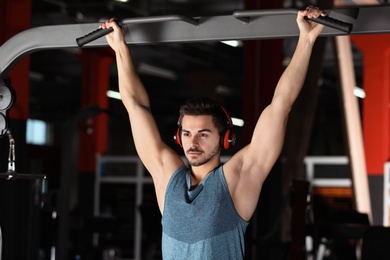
[(96, 34), (331, 22)]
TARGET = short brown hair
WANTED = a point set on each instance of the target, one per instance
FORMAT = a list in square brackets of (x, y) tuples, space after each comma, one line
[(206, 106)]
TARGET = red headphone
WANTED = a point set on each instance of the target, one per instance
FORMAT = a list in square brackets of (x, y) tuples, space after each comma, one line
[(228, 138)]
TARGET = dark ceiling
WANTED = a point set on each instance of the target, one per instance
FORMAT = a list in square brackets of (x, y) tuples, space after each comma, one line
[(211, 68)]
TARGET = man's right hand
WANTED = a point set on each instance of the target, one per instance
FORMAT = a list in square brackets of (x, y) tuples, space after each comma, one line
[(116, 37)]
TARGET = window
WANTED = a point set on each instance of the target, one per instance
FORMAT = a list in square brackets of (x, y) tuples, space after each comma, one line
[(38, 132)]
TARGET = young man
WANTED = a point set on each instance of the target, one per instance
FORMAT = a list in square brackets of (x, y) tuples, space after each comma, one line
[(206, 208)]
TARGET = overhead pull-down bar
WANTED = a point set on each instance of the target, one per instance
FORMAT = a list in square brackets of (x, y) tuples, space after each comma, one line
[(96, 34), (164, 18), (247, 17), (371, 19), (244, 16)]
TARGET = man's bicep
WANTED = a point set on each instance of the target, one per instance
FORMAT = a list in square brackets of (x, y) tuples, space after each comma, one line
[(152, 151), (268, 137)]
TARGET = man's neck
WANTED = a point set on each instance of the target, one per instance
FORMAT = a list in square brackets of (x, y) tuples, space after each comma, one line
[(198, 173)]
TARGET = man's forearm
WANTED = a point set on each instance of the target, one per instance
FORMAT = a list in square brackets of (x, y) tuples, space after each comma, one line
[(293, 78), (131, 88)]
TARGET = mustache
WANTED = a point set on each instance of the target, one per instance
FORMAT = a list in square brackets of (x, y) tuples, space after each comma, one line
[(194, 150)]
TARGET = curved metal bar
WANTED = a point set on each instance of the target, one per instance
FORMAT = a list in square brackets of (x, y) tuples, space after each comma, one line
[(40, 38), (246, 15), (163, 18), (98, 33), (281, 24)]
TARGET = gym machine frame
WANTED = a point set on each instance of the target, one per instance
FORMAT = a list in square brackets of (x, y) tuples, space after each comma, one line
[(241, 25)]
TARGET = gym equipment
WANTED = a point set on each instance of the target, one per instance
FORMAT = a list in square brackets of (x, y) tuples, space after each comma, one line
[(7, 97), (259, 24), (11, 173), (244, 16)]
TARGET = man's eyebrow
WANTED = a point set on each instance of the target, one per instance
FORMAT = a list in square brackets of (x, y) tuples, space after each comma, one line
[(199, 131), (204, 130)]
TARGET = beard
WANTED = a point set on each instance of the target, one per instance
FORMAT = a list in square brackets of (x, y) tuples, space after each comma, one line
[(202, 160)]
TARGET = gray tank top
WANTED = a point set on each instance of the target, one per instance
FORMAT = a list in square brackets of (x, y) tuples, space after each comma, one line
[(201, 223)]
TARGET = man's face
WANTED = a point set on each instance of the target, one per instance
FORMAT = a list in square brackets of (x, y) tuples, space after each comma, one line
[(200, 139)]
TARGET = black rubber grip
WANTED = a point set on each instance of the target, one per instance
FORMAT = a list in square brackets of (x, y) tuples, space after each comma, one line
[(331, 22), (81, 41)]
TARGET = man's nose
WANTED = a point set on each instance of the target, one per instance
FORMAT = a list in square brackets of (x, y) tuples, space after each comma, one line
[(194, 141)]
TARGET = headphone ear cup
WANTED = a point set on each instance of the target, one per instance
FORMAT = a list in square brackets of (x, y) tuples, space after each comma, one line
[(225, 138), (177, 137)]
